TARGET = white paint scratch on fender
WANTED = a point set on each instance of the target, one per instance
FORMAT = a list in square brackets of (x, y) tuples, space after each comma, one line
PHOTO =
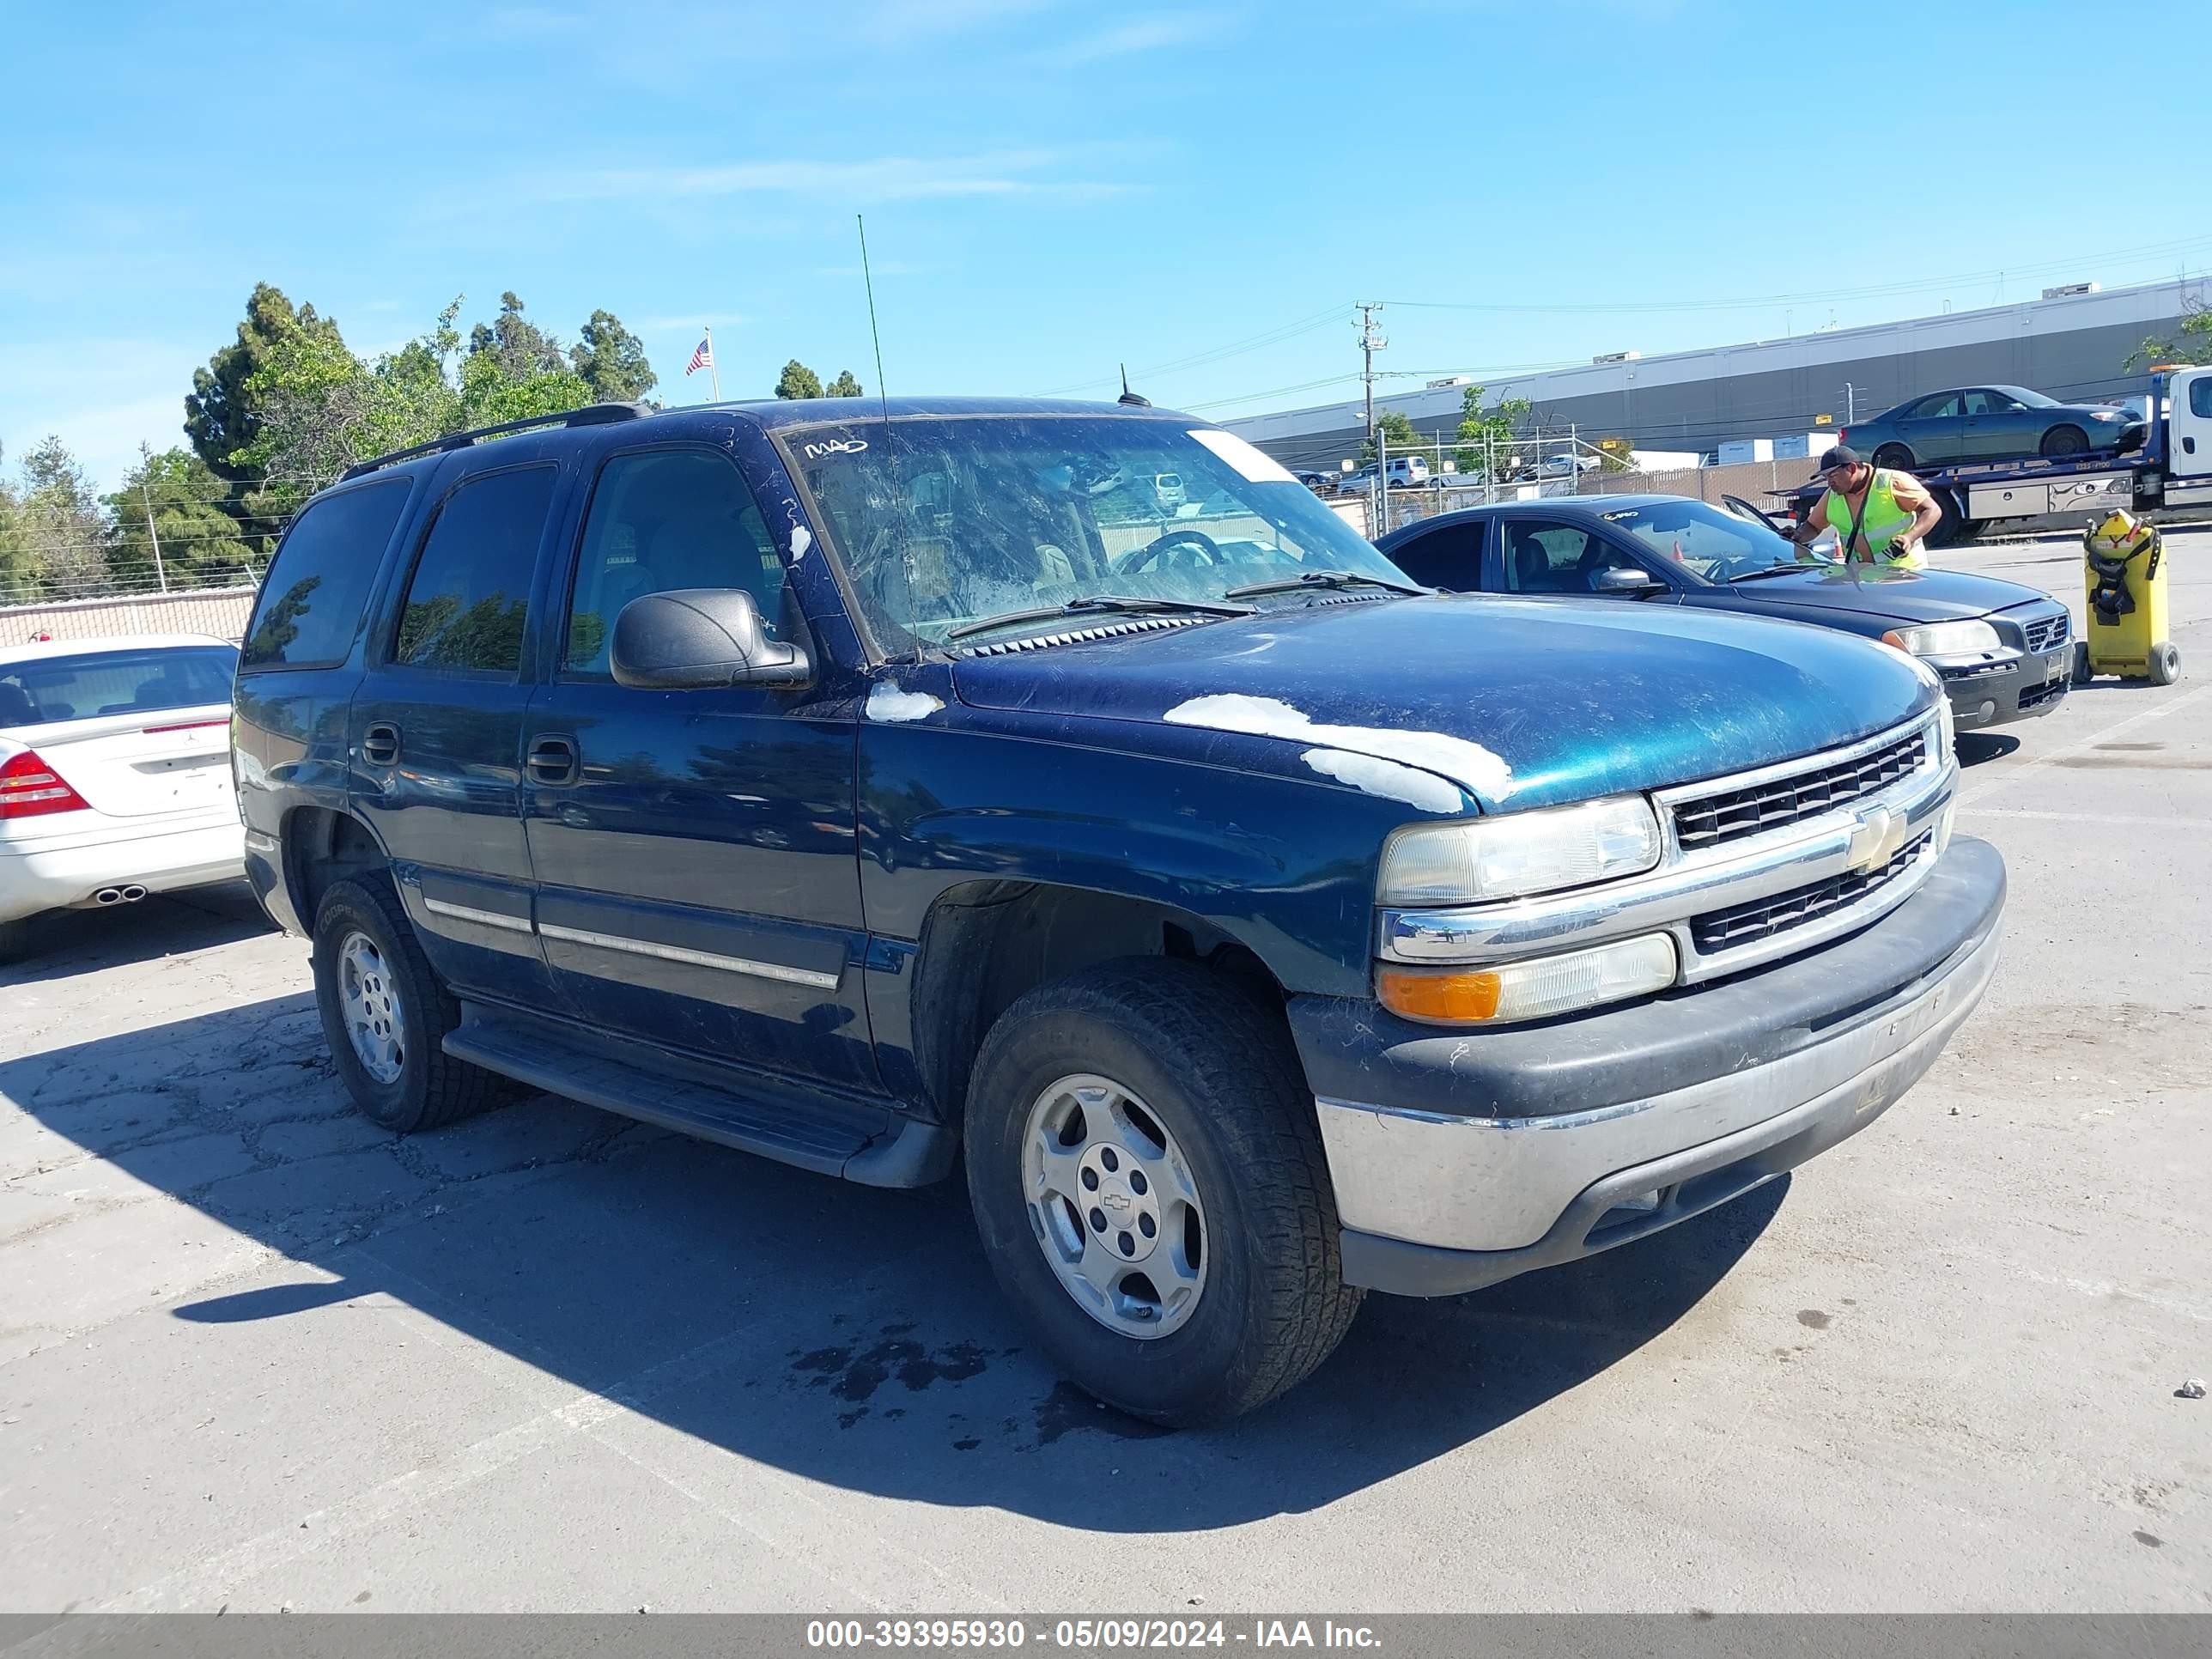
[(1457, 758), (887, 703), (1373, 775)]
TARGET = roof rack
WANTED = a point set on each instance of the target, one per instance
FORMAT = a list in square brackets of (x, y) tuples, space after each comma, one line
[(589, 415)]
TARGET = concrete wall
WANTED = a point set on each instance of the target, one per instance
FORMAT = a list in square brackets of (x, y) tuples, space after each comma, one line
[(220, 612)]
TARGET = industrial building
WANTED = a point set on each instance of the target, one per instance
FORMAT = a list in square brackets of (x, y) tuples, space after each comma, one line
[(2071, 344)]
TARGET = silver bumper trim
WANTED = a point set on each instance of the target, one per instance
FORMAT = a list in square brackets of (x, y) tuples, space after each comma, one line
[(1475, 1183)]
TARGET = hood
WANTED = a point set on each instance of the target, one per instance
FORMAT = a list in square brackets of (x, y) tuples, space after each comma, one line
[(1906, 596), (1521, 702)]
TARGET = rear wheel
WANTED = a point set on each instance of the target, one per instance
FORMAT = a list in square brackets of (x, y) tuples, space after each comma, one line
[(1151, 1188), (2165, 662), (14, 938), (2064, 440), (2082, 672), (384, 1014), (1896, 457)]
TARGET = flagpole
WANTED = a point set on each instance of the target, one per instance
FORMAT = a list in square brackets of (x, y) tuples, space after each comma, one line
[(714, 369)]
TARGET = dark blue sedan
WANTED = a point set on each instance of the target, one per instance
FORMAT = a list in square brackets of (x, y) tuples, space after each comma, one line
[(2003, 651)]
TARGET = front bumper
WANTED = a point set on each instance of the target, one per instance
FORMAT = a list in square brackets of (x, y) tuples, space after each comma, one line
[(1459, 1160), (2012, 685), (55, 875)]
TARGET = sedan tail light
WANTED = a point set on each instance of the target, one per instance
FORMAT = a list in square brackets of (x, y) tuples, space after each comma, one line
[(30, 788)]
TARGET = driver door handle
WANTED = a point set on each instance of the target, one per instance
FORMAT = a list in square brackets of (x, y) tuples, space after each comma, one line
[(552, 760)]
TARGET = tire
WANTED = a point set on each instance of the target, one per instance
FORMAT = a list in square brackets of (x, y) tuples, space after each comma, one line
[(14, 940), (2165, 662), (1894, 458), (2061, 441), (427, 1087), (1951, 530), (2082, 672), (1214, 1069)]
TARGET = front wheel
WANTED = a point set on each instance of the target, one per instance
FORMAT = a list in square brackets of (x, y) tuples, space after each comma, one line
[(2083, 673), (1150, 1185), (2061, 441), (2165, 662), (386, 1014)]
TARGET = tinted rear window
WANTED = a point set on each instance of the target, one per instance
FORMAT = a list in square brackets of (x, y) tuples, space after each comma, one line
[(311, 604), (144, 680)]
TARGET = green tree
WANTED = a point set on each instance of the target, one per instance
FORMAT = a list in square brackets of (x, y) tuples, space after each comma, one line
[(519, 346), (1486, 435), (2192, 346), (1398, 435), (65, 529), (222, 416), (18, 569), (844, 385), (173, 503), (1616, 454), (797, 381), (610, 361)]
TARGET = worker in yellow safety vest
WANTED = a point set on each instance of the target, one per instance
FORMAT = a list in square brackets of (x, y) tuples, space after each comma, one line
[(1879, 515)]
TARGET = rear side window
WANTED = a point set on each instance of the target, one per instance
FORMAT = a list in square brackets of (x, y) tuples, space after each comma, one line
[(468, 600), (147, 680), (311, 604)]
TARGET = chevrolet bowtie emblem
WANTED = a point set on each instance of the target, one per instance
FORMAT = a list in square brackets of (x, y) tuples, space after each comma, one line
[(1116, 1200), (1876, 838)]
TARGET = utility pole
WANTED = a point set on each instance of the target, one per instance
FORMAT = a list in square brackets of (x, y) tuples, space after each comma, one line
[(1850, 402), (1370, 342), (145, 460)]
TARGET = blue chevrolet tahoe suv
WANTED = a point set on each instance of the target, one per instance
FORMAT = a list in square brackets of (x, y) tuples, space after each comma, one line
[(885, 789)]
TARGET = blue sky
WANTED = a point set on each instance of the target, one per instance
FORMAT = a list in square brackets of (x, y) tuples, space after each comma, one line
[(1050, 188)]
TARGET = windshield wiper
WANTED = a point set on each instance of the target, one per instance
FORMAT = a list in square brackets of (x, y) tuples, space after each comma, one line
[(1774, 570), (1320, 579), (1122, 602)]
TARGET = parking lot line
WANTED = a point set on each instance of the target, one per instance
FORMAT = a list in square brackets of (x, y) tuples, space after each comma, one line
[(2103, 734)]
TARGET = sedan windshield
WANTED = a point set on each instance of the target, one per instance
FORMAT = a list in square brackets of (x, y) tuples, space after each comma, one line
[(1709, 544), (943, 524)]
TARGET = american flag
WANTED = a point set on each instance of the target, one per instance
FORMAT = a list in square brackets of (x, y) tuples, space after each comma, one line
[(702, 358)]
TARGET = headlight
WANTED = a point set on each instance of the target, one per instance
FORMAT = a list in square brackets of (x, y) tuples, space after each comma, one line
[(1946, 725), (1521, 853), (2107, 415), (1530, 990), (1952, 638)]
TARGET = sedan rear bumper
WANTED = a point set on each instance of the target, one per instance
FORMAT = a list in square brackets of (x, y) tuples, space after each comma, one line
[(50, 876)]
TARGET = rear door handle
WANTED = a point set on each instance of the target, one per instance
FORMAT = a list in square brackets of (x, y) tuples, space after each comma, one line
[(380, 744), (552, 760)]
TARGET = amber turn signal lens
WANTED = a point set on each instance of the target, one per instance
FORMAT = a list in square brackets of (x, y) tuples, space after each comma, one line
[(1418, 994)]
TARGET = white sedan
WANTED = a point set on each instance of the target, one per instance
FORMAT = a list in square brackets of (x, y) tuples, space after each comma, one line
[(114, 772)]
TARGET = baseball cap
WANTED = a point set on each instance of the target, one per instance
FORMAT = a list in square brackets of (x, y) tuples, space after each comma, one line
[(1838, 455)]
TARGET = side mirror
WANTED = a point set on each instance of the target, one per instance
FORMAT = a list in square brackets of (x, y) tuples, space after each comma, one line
[(1627, 581), (693, 638)]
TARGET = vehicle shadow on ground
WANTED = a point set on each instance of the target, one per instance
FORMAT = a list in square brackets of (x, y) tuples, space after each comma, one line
[(62, 944), (1976, 748), (847, 1335)]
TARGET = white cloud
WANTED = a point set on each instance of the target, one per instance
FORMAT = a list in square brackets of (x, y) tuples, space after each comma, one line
[(102, 397), (1139, 35), (884, 179)]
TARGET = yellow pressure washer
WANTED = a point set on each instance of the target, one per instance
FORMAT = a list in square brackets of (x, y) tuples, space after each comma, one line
[(2124, 568)]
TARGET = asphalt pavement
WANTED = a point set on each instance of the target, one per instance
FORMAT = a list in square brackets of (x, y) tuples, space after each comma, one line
[(255, 1353)]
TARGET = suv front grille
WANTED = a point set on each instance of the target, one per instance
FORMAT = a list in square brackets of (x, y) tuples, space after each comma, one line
[(1735, 813), (1745, 924), (2044, 633)]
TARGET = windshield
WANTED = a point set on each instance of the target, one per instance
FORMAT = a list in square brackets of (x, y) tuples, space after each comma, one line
[(136, 680), (2032, 400), (1704, 540), (941, 522)]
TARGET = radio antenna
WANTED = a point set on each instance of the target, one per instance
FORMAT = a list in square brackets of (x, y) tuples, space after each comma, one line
[(883, 397)]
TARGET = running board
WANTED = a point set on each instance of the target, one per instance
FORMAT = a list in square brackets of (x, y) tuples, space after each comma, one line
[(869, 1144)]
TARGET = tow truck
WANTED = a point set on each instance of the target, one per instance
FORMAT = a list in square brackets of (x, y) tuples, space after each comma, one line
[(2173, 468)]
